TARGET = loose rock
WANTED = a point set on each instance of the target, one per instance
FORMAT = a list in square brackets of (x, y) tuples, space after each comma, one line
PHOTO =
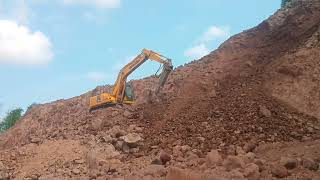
[(239, 151), (96, 124), (249, 147), (35, 140), (132, 139), (164, 157), (310, 164), (4, 176), (264, 111), (251, 172), (279, 171), (110, 152), (233, 162), (79, 161), (76, 171), (289, 163), (127, 114)]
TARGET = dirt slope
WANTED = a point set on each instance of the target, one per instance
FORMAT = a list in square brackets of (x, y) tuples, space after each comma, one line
[(260, 87)]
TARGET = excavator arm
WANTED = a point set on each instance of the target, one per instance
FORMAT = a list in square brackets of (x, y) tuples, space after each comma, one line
[(118, 94)]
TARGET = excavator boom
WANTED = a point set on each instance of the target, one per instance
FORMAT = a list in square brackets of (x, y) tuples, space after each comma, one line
[(119, 95)]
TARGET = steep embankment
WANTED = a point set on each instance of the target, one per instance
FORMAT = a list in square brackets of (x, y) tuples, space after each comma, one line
[(260, 87), (248, 89)]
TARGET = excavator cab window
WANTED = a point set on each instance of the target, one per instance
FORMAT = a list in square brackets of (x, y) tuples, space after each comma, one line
[(129, 91)]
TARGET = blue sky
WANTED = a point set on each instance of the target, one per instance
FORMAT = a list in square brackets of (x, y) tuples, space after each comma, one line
[(54, 49)]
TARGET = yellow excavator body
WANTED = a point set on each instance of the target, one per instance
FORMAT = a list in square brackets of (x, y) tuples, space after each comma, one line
[(122, 93), (105, 99)]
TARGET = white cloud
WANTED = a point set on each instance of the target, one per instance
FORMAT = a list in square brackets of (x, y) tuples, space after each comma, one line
[(215, 32), (18, 45), (197, 51), (97, 76), (103, 4), (201, 48)]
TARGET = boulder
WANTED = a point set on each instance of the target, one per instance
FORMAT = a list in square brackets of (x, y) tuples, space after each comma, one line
[(132, 139), (289, 163)]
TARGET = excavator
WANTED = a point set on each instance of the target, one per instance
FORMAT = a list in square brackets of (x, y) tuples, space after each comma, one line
[(122, 91)]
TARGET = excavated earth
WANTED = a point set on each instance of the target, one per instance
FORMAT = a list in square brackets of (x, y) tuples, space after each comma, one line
[(248, 110)]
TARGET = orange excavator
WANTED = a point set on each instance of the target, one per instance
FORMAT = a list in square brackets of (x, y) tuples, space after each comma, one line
[(122, 91)]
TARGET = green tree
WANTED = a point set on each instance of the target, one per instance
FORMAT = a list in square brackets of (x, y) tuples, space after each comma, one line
[(11, 119)]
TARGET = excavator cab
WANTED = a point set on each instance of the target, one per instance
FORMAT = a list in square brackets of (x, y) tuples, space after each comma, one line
[(129, 92)]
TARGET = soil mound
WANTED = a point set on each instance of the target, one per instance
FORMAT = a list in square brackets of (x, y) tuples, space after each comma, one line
[(259, 91)]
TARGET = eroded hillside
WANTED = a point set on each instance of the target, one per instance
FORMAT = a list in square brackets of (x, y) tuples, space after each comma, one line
[(249, 110)]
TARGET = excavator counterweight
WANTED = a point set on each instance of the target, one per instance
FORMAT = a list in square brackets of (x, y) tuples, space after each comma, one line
[(122, 92)]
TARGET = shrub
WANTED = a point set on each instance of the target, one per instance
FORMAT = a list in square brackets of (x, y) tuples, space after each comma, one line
[(10, 119)]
